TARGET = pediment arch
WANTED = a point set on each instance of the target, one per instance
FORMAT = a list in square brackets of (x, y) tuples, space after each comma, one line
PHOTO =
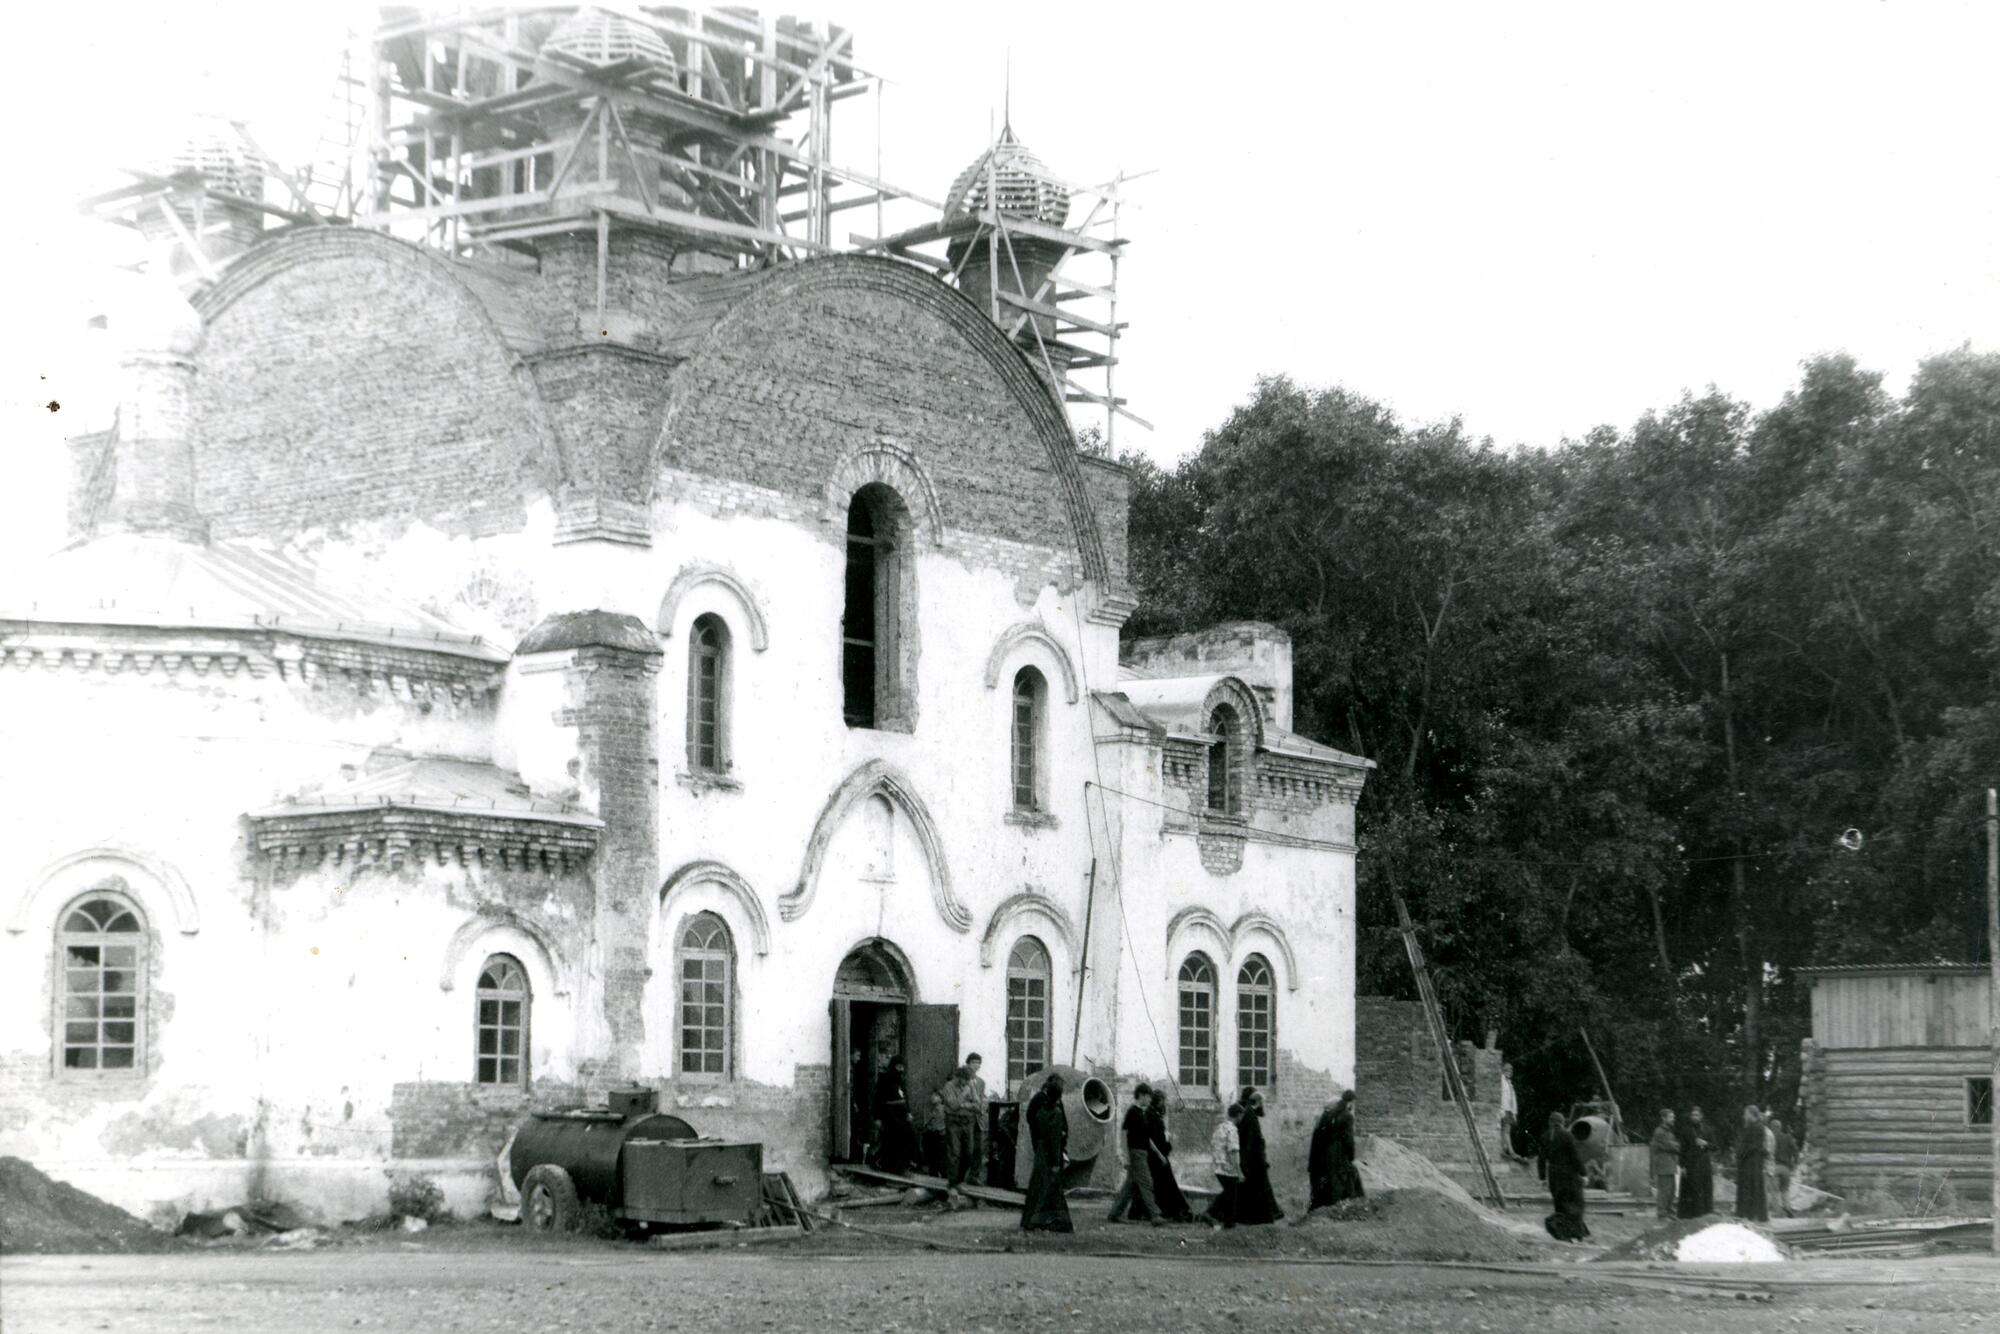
[(1034, 633), (695, 576), (735, 886), (876, 778), (157, 884)]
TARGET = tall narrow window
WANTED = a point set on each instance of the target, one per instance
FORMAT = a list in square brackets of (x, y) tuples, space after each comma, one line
[(1256, 1024), (705, 961), (708, 671), (1197, 989), (1027, 1010), (503, 1001), (1030, 693), (102, 951), (878, 651), (857, 623), (1979, 1100), (1222, 778)]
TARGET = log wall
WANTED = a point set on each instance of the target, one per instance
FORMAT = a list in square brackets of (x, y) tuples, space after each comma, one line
[(1916, 1009), (1897, 1120)]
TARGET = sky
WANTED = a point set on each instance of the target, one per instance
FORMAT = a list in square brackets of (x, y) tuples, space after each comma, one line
[(1535, 217)]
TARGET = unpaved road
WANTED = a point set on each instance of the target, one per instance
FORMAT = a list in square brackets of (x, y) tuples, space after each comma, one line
[(582, 1287)]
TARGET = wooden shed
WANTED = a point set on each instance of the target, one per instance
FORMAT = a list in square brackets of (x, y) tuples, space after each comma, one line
[(1899, 1081)]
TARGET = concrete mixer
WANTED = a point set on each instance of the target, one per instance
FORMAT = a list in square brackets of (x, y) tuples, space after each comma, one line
[(1087, 1101)]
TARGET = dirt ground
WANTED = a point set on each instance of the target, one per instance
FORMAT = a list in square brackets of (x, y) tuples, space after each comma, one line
[(581, 1287), (970, 1271)]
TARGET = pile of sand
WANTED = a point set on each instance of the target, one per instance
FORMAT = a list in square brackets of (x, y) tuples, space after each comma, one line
[(39, 1215), (1701, 1240), (1414, 1223)]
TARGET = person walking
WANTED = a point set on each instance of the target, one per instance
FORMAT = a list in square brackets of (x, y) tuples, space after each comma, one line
[(1750, 1159), (1697, 1168), (1137, 1192), (1225, 1151), (1046, 1209), (1173, 1202), (1563, 1151), (1255, 1202), (1510, 1112), (1784, 1157), (1665, 1161)]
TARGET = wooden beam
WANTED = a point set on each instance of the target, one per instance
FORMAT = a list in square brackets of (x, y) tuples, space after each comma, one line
[(1057, 313)]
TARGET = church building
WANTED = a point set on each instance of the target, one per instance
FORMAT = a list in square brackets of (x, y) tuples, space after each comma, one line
[(475, 683)]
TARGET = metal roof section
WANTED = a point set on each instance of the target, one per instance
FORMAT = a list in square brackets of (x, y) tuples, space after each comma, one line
[(138, 579), (445, 786)]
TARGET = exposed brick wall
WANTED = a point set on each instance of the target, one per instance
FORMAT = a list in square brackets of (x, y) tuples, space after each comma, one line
[(447, 1119), (790, 383), (1401, 1083), (604, 403), (357, 379), (1110, 488)]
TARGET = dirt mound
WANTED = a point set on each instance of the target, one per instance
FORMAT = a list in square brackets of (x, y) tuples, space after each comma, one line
[(1386, 1165), (1414, 1223), (1700, 1239), (39, 1215)]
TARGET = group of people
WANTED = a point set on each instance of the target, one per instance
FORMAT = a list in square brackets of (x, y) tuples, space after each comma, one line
[(1766, 1153), (1683, 1168), (1151, 1192), (954, 1132)]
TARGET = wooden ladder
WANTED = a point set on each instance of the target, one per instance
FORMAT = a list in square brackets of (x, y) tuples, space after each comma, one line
[(1446, 1056)]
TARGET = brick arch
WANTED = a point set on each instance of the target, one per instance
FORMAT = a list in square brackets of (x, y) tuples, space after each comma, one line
[(1027, 904), (492, 918), (1253, 924), (1031, 632), (693, 577), (724, 307), (153, 882), (734, 886), (891, 465)]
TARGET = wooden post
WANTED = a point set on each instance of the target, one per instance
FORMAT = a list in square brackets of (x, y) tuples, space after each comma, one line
[(1993, 1001)]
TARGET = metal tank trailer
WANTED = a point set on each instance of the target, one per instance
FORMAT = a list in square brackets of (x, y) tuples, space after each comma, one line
[(646, 1168)]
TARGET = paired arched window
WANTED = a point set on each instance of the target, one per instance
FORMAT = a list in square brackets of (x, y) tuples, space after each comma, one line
[(1031, 694), (708, 696), (1197, 1022), (877, 648), (1256, 1024), (503, 1001), (1027, 1009), (1224, 783), (101, 955), (704, 961)]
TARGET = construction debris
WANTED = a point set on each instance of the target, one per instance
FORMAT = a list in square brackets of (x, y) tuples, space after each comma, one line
[(937, 1186), (40, 1215)]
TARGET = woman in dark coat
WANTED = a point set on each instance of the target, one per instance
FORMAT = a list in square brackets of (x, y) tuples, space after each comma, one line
[(1167, 1193), (1330, 1169), (1254, 1201), (1697, 1169), (1750, 1167), (898, 1145), (1046, 1209), (1564, 1156)]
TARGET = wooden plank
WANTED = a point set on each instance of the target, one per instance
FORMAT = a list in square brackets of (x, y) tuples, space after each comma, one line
[(1057, 313), (724, 1238), (989, 1194)]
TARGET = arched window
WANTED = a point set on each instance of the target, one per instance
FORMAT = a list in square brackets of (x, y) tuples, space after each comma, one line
[(101, 949), (705, 960), (1197, 991), (1027, 1010), (1223, 781), (877, 650), (503, 1003), (708, 691), (1256, 1024), (1031, 695)]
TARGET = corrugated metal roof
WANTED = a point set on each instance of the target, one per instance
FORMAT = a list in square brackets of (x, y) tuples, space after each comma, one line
[(141, 579), (430, 783), (1889, 969)]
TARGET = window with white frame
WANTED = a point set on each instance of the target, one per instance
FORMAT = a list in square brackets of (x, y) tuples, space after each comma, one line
[(1197, 1022), (707, 696), (705, 961), (1027, 1010), (1256, 1024), (101, 953), (503, 1001)]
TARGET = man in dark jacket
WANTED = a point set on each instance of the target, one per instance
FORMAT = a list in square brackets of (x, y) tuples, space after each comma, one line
[(1784, 1156), (1665, 1161), (1138, 1137)]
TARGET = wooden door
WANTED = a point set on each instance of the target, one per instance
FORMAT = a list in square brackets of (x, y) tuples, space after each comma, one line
[(930, 1052), (840, 1091)]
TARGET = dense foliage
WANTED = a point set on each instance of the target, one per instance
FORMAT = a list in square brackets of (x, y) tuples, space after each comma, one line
[(1626, 695)]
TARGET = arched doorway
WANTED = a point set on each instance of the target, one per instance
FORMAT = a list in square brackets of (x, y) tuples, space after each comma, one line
[(875, 1016)]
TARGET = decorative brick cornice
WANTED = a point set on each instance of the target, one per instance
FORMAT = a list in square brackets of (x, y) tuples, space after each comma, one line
[(414, 673), (392, 835)]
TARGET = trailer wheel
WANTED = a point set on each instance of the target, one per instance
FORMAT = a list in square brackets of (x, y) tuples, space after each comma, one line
[(548, 1200)]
